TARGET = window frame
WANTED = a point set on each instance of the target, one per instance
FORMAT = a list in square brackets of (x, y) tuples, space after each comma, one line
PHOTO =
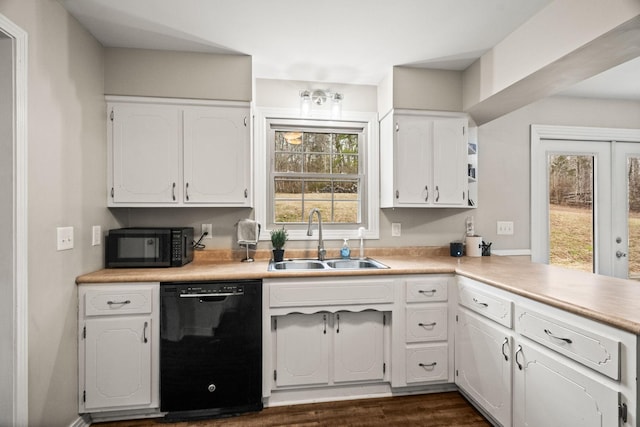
[(265, 119)]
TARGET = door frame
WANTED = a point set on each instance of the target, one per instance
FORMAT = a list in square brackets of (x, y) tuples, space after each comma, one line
[(19, 236), (539, 222)]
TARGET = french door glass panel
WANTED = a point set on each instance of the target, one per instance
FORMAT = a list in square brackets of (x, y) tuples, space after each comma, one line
[(571, 213), (626, 212)]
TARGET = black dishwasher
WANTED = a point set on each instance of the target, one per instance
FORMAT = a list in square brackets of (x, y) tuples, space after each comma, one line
[(210, 348)]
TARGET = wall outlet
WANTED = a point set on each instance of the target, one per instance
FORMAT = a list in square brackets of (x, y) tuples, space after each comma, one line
[(207, 228), (396, 229), (505, 227), (96, 235), (64, 238)]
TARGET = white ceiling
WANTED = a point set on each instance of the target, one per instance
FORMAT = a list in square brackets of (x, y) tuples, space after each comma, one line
[(338, 41)]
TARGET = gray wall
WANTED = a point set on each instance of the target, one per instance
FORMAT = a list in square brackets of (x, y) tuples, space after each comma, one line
[(66, 181), (145, 72), (7, 278)]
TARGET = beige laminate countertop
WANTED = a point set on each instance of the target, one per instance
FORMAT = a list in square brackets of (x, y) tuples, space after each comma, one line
[(609, 300)]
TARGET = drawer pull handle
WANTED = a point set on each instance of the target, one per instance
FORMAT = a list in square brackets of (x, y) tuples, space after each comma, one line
[(429, 292), (428, 365), (427, 325), (519, 350), (505, 342), (324, 319), (119, 302), (482, 304), (144, 332), (548, 332)]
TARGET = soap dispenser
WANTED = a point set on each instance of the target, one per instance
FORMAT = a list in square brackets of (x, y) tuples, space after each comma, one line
[(345, 252)]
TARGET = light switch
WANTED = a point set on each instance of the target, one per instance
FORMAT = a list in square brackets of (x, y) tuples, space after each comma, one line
[(65, 238), (96, 235), (396, 229)]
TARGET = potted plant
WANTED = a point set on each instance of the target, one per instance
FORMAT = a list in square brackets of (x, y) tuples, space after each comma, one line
[(279, 237)]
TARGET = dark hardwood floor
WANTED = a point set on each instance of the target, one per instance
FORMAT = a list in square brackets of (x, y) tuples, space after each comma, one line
[(432, 410)]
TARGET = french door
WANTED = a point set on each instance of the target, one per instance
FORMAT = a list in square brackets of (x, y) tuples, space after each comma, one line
[(585, 199), (626, 212)]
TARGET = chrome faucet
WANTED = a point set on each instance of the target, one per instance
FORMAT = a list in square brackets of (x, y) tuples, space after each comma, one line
[(321, 250)]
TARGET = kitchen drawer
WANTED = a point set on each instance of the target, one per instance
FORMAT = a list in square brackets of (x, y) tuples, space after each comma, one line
[(121, 300), (329, 291), (484, 302), (427, 289), (427, 323), (582, 344), (427, 363)]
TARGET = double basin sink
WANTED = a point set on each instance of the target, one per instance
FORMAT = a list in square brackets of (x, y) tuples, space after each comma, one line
[(329, 264)]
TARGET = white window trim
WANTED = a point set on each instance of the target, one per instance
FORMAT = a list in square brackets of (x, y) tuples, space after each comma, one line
[(261, 185)]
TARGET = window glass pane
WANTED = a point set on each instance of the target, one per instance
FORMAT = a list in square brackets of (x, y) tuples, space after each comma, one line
[(633, 193), (346, 211), (571, 232), (315, 164)]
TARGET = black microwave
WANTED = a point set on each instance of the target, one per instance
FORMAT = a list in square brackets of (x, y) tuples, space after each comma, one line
[(149, 247)]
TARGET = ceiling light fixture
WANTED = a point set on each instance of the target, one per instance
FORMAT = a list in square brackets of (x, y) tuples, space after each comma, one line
[(320, 97)]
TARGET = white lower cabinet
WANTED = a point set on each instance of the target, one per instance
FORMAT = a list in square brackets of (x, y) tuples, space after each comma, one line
[(551, 391), (324, 348), (483, 363), (118, 348)]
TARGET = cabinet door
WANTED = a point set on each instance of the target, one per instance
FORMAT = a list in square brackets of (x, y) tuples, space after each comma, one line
[(146, 153), (413, 161), (548, 391), (302, 349), (449, 162), (217, 164), (358, 346), (118, 362), (483, 364)]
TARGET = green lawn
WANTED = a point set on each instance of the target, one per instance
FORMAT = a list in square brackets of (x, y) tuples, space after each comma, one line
[(571, 245)]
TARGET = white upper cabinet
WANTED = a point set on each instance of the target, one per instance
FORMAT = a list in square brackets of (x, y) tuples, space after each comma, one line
[(216, 155), (424, 160), (145, 152), (178, 153)]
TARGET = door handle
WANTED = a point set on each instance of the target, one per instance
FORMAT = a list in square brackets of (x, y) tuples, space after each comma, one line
[(620, 254)]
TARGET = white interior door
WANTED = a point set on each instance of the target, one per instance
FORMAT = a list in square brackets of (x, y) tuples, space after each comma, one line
[(626, 210)]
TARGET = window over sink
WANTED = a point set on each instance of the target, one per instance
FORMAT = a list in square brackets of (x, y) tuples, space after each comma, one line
[(303, 164)]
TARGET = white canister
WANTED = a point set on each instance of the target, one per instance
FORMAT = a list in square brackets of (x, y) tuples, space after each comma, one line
[(473, 246)]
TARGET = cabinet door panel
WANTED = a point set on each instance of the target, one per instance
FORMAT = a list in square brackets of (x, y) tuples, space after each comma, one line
[(216, 155), (549, 392), (483, 364), (358, 346), (413, 155), (118, 362), (146, 153), (302, 349), (449, 162)]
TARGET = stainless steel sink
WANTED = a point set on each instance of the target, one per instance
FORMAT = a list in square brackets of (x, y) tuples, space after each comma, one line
[(297, 264), (354, 264), (331, 264)]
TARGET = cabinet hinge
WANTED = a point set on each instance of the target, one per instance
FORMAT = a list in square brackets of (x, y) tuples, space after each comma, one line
[(111, 115), (384, 320), (464, 130), (84, 332), (275, 375), (456, 372), (384, 368), (84, 395), (456, 318), (622, 412), (275, 323)]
